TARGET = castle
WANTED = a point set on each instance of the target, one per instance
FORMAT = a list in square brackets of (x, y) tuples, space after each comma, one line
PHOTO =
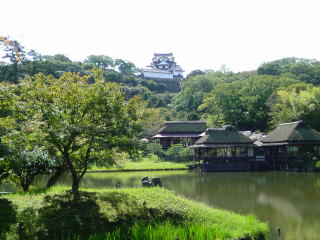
[(163, 67)]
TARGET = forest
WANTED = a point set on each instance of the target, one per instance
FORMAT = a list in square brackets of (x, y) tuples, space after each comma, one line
[(279, 91)]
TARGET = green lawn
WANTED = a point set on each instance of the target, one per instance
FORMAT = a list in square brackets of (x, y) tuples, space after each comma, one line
[(143, 164), (140, 213)]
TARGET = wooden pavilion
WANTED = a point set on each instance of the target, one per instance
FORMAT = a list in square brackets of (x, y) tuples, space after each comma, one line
[(288, 141), (225, 149), (185, 132)]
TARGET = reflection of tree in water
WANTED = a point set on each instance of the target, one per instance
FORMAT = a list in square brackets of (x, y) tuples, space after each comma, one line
[(9, 187), (131, 179), (283, 199)]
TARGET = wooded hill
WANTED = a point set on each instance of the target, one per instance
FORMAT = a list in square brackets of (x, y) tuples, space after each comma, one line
[(279, 91)]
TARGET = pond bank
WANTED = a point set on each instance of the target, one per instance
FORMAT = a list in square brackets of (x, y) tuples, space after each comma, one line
[(146, 164), (136, 170), (139, 213)]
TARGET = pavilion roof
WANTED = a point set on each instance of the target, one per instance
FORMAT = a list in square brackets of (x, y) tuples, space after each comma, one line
[(225, 135), (183, 127), (292, 132)]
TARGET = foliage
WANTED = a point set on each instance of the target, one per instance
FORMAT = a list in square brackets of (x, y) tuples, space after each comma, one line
[(4, 170), (21, 154), (15, 53), (304, 161), (100, 61), (296, 102), (195, 88), (81, 122), (305, 70), (156, 100), (179, 153), (194, 73), (26, 164), (7, 100), (107, 63), (153, 148), (125, 67), (154, 122), (242, 104)]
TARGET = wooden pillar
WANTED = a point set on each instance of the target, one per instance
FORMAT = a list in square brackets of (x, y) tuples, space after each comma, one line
[(286, 157), (273, 161)]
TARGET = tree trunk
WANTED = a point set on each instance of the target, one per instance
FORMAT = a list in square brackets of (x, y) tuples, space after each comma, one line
[(25, 186), (25, 182), (75, 184), (15, 71), (57, 174)]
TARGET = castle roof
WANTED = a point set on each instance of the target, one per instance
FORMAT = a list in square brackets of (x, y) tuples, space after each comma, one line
[(163, 55)]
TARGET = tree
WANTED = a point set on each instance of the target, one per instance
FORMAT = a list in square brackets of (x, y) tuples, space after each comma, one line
[(100, 61), (31, 64), (296, 102), (242, 104), (21, 154), (125, 67), (154, 122), (82, 122), (15, 54), (153, 148), (195, 88), (58, 64), (26, 164), (305, 70), (194, 73), (4, 170), (7, 102), (179, 153)]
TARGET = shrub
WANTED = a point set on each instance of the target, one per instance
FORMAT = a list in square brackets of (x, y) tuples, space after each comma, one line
[(179, 153), (305, 162)]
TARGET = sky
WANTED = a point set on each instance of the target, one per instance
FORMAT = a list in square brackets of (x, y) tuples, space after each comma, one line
[(201, 34)]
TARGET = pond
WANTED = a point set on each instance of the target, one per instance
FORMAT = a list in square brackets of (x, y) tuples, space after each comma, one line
[(290, 201)]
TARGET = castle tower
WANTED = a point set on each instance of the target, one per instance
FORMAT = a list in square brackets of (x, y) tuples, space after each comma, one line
[(163, 67)]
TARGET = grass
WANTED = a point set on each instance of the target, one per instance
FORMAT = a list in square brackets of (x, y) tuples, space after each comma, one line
[(144, 164), (139, 213)]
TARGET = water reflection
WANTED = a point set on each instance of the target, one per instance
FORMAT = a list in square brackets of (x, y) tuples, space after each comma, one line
[(286, 200)]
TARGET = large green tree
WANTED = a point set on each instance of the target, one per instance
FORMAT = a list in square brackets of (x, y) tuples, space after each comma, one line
[(80, 122), (296, 102), (242, 103), (195, 88), (99, 61), (305, 70), (7, 103)]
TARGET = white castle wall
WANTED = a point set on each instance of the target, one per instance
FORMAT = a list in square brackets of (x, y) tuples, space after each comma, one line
[(163, 75)]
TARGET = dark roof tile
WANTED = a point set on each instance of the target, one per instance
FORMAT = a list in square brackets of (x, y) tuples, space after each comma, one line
[(292, 132), (226, 135), (183, 127)]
